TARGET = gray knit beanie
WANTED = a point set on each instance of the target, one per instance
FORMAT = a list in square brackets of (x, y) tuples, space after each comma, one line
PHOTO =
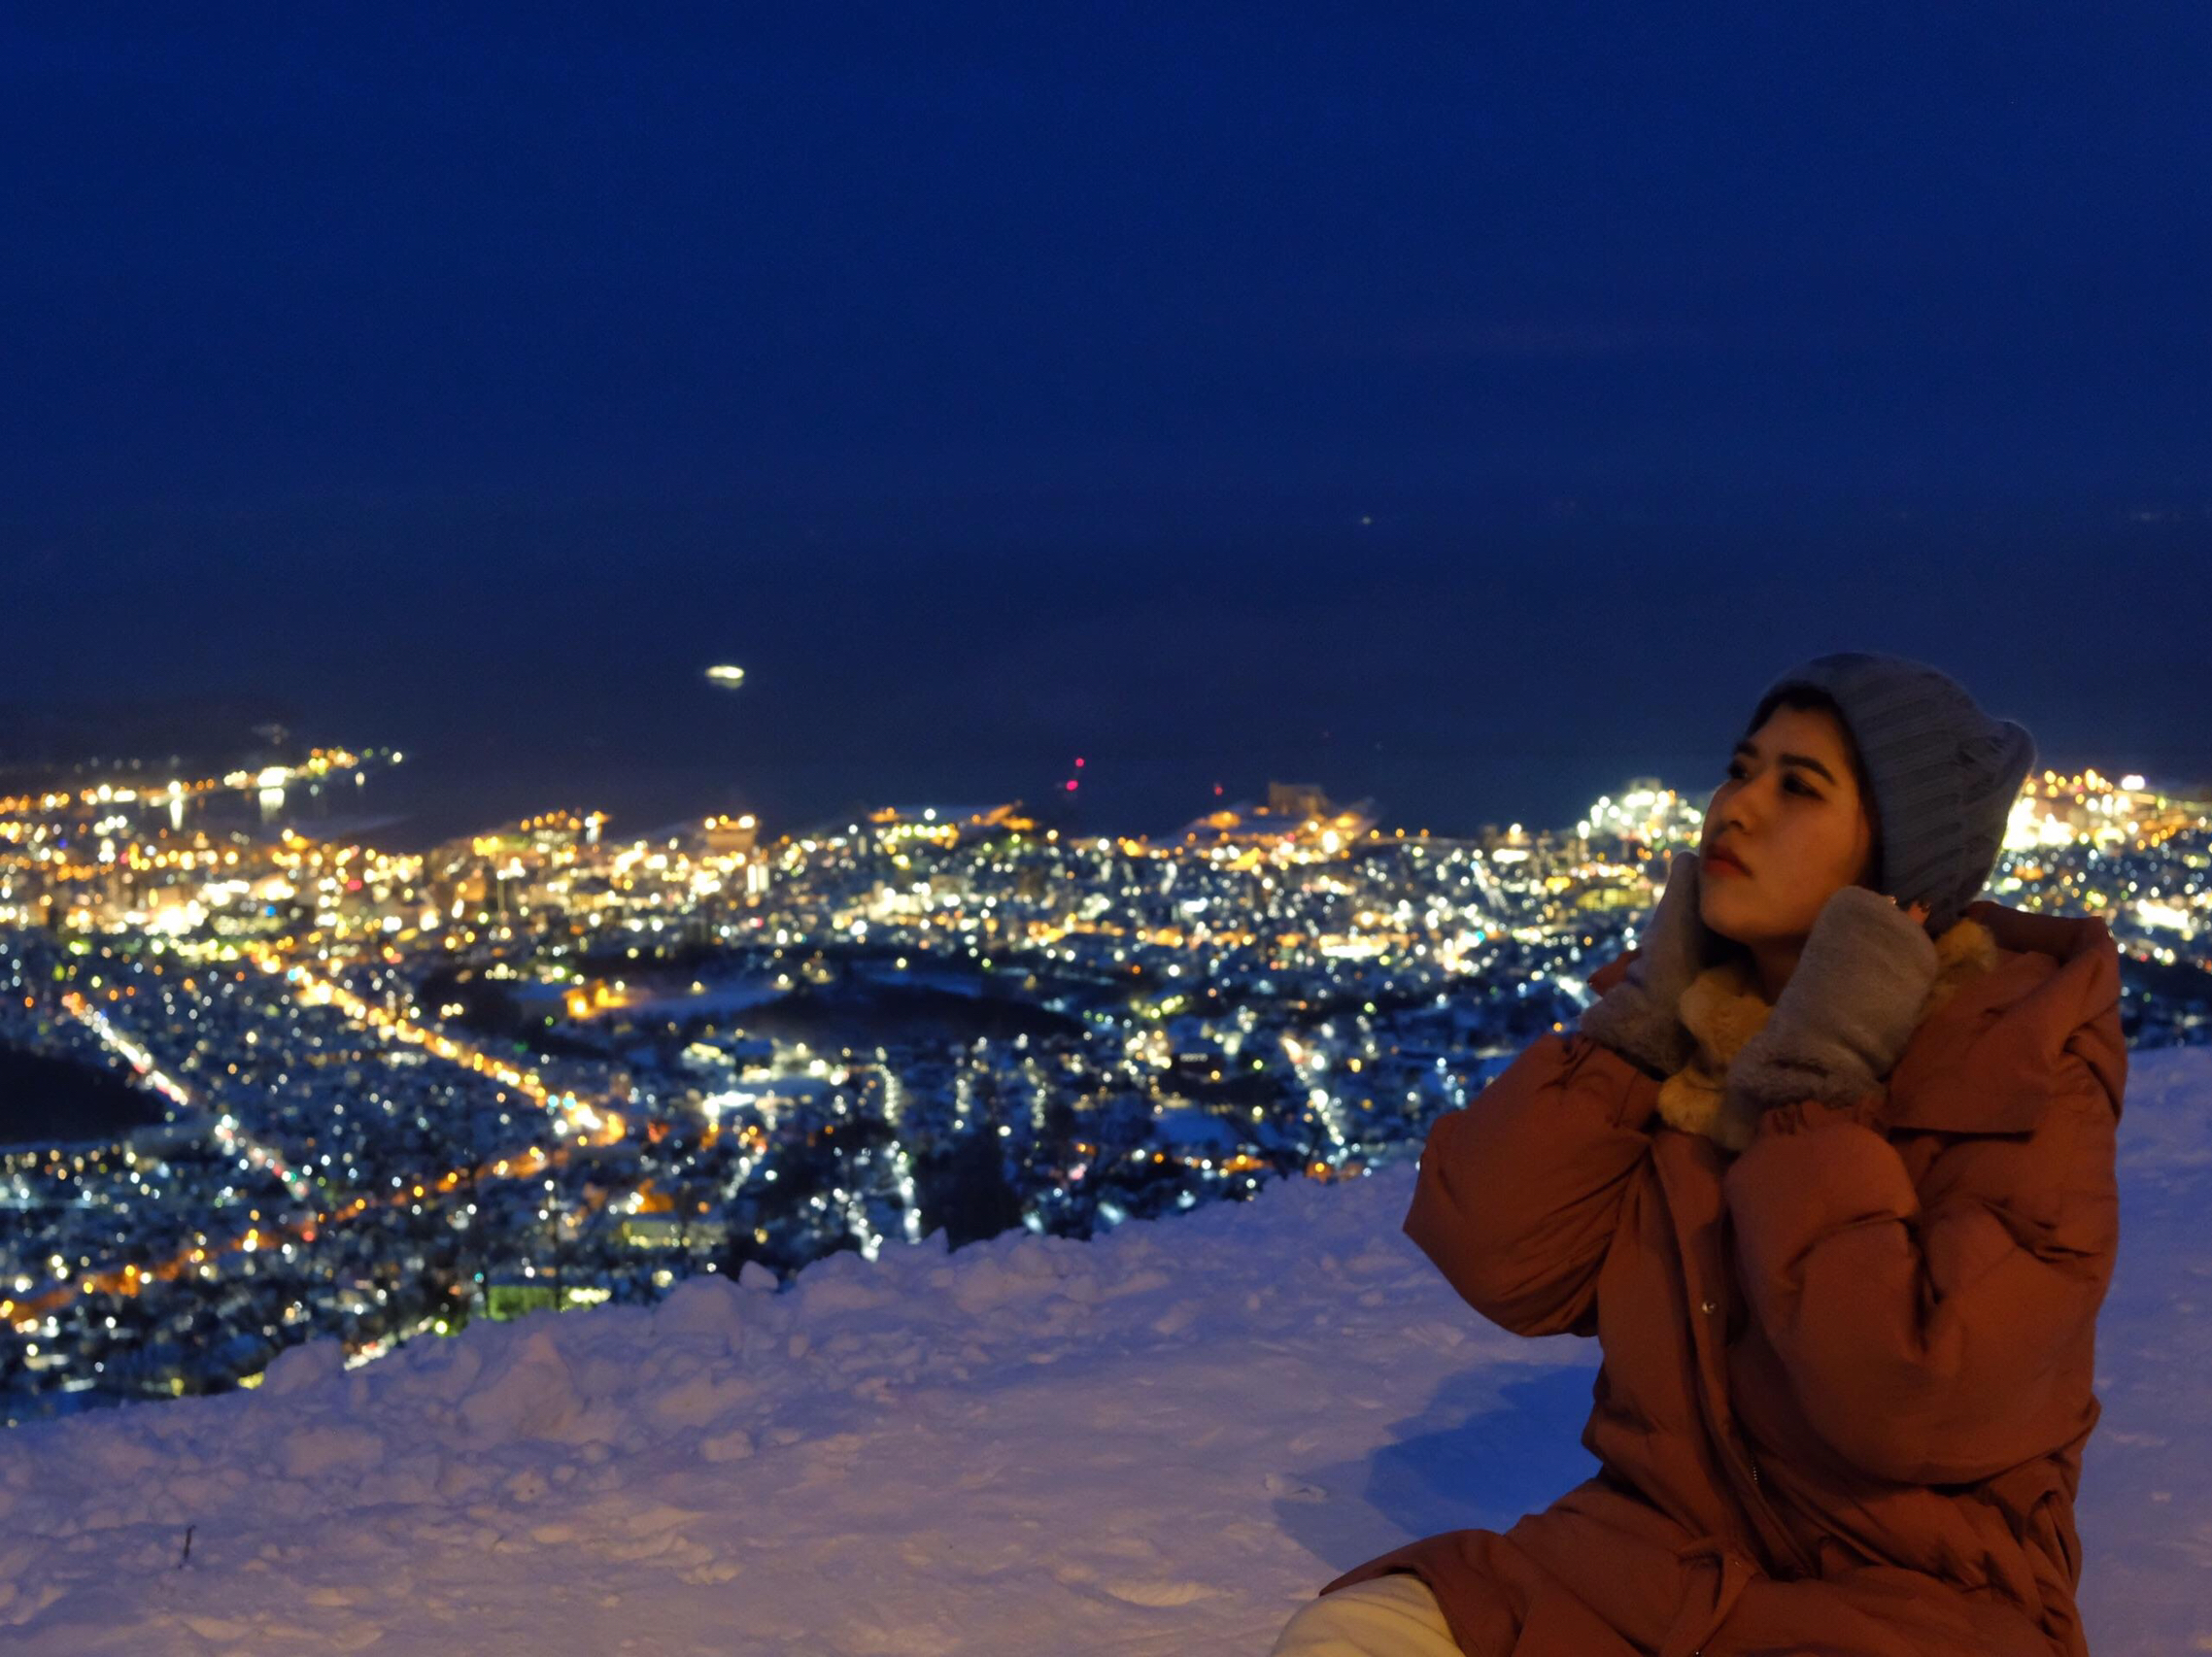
[(1943, 774)]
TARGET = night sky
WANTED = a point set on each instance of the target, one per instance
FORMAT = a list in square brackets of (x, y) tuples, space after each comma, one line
[(1465, 406)]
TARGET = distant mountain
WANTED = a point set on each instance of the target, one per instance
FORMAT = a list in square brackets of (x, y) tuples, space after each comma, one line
[(164, 735)]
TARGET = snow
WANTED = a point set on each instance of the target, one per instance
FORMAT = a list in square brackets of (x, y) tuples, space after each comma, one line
[(722, 998), (1161, 1440), (1193, 1130)]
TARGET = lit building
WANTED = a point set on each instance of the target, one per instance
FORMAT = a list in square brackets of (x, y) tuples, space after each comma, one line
[(1296, 815)]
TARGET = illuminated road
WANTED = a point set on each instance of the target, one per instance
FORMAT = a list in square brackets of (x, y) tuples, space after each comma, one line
[(234, 1139), (570, 1115)]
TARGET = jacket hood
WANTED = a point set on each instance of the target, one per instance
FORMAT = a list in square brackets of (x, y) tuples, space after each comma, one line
[(1995, 1054)]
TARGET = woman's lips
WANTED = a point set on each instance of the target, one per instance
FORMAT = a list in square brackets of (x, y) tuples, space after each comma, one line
[(1717, 864)]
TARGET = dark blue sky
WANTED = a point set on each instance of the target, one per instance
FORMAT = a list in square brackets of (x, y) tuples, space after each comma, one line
[(1464, 405)]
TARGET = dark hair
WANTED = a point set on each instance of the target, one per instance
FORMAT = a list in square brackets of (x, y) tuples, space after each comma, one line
[(1808, 699)]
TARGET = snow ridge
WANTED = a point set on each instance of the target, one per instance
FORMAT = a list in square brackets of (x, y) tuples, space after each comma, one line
[(1161, 1438)]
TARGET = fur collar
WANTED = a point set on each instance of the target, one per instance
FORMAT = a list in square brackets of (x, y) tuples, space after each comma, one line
[(1722, 1010)]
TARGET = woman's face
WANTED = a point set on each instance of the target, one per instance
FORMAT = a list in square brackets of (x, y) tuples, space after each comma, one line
[(1791, 813)]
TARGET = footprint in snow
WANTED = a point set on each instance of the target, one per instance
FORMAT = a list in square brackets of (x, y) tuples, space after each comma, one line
[(1168, 1593)]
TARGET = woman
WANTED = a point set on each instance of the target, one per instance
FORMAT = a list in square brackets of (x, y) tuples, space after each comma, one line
[(1828, 1169)]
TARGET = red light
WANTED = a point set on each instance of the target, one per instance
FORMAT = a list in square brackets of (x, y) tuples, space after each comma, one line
[(1071, 783), (1079, 759), (1217, 787)]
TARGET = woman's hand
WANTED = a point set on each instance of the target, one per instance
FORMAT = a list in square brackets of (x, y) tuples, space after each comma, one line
[(1851, 1003)]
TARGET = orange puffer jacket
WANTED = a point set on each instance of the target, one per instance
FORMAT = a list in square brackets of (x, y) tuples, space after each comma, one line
[(1847, 1371)]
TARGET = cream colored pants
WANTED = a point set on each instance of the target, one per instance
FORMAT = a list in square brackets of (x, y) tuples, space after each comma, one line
[(1386, 1617)]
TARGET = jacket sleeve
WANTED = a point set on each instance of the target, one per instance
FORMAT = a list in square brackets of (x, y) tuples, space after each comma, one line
[(1521, 1189), (1941, 1344)]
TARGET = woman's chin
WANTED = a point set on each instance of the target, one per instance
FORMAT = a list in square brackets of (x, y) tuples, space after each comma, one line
[(1725, 913)]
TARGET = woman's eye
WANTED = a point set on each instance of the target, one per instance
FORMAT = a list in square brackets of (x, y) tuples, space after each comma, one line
[(1736, 771)]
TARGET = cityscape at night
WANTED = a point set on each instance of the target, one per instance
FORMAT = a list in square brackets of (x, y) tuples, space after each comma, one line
[(374, 1096)]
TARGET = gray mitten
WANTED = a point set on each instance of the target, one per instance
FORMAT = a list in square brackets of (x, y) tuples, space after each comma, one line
[(1638, 1017), (1851, 1003)]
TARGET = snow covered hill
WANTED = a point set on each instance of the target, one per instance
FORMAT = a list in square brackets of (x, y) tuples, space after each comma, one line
[(1159, 1441)]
